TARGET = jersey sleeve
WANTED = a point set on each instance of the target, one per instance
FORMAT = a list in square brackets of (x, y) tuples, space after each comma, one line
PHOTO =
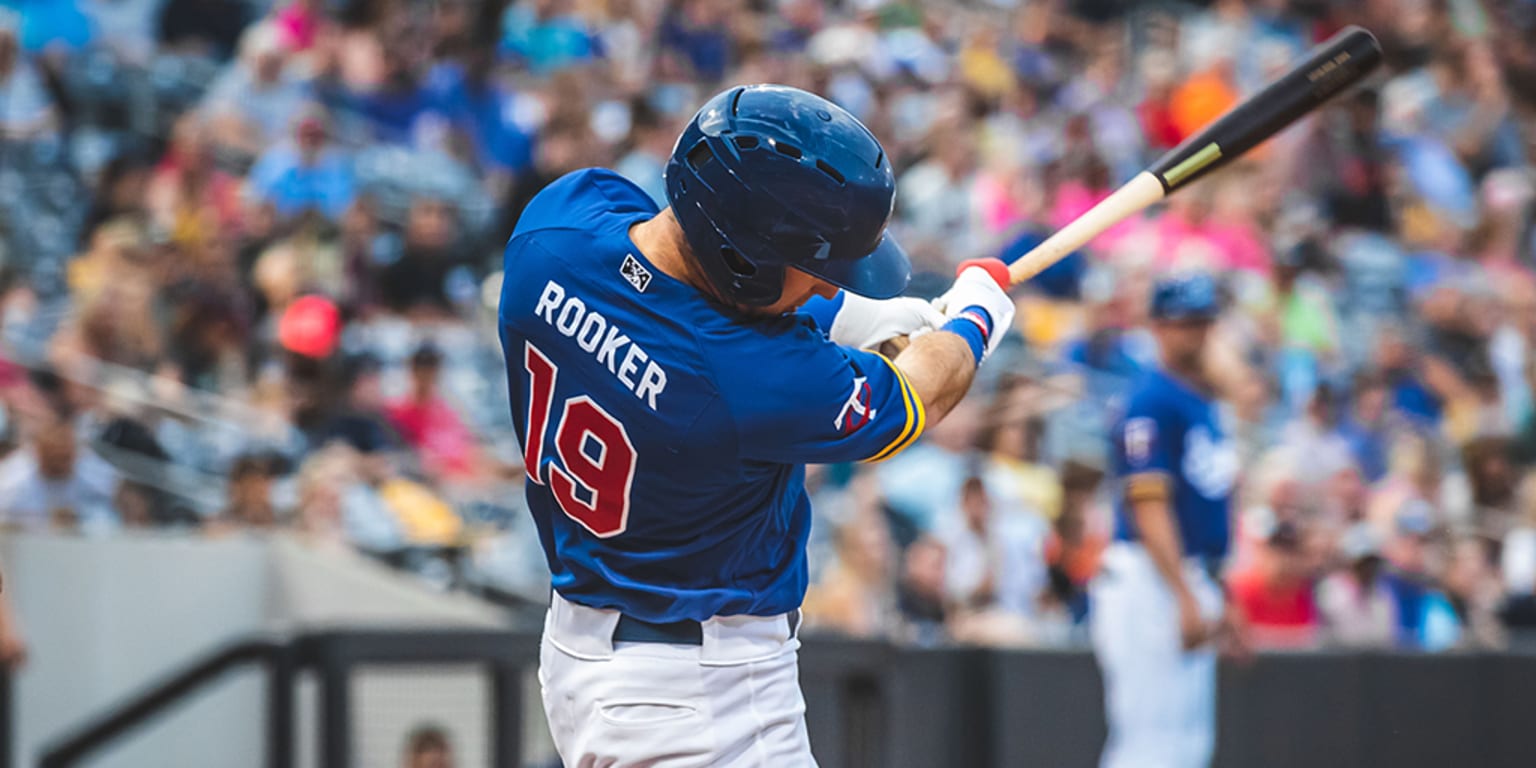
[(814, 402), (1144, 447), (824, 311)]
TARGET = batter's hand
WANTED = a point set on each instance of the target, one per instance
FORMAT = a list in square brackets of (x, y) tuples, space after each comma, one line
[(982, 283), (865, 323)]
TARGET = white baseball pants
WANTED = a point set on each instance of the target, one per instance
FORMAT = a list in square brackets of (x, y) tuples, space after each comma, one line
[(1159, 700), (733, 701)]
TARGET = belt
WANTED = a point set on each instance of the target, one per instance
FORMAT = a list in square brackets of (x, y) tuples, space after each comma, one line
[(684, 632)]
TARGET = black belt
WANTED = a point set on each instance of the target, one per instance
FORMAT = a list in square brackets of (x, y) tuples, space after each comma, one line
[(685, 632)]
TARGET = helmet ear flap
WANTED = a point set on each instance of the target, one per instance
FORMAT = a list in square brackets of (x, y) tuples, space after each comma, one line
[(736, 263)]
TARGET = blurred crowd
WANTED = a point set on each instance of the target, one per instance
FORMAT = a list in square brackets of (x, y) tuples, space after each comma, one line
[(250, 249)]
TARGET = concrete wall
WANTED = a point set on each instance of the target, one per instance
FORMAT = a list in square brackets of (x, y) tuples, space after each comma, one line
[(105, 617)]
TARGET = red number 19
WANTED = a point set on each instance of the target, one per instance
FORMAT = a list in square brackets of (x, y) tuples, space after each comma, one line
[(604, 479)]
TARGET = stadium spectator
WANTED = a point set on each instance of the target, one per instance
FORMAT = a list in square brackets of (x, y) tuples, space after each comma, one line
[(298, 24), (190, 198), (935, 195), (920, 594), (547, 34), (1074, 547), (307, 174), (361, 420), (430, 425), (1365, 427), (323, 482), (994, 566), (856, 595), (427, 747), (1518, 554), (1013, 438), (416, 282), (1410, 576), (1312, 444), (206, 27), (253, 103), (1414, 477), (1472, 586), (650, 144), (1491, 481), (53, 481), (250, 503), (1274, 594), (1355, 603), (695, 38), (1353, 164), (26, 109)]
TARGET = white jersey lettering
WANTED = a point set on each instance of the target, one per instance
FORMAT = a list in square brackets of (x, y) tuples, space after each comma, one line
[(598, 336)]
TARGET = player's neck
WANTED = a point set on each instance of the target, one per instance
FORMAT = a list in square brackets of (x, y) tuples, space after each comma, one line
[(1192, 376), (661, 241)]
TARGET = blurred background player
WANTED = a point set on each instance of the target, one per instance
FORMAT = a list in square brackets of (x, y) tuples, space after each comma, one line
[(1157, 606), (668, 395)]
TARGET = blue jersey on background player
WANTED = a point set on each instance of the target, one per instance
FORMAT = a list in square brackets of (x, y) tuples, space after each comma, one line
[(665, 439), (1171, 434), (1157, 604)]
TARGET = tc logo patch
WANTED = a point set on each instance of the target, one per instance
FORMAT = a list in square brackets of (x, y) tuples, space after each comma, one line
[(1139, 434), (856, 411), (635, 272)]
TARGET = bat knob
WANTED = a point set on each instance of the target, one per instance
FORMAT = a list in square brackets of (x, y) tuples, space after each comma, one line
[(994, 267)]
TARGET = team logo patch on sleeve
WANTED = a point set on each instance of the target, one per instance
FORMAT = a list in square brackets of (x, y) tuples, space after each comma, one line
[(856, 411), (1139, 434), (635, 272)]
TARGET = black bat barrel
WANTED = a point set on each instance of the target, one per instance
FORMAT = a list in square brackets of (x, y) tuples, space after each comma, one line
[(1340, 62)]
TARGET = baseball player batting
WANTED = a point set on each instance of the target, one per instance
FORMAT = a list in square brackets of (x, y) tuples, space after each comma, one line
[(1157, 603), (671, 373)]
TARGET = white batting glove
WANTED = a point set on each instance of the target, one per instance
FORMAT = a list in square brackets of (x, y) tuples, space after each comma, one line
[(865, 323), (981, 284)]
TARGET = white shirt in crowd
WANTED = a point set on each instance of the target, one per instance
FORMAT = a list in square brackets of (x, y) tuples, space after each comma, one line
[(28, 500), (1356, 616), (1013, 551)]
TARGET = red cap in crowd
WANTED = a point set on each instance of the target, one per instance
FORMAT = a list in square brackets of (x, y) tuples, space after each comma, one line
[(310, 326)]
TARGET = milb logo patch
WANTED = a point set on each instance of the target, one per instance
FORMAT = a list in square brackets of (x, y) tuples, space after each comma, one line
[(635, 272), (856, 411)]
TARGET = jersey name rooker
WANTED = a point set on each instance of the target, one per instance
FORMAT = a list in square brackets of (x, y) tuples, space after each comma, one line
[(596, 336)]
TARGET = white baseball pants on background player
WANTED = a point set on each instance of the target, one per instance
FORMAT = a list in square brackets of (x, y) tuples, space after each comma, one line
[(733, 701), (1159, 700)]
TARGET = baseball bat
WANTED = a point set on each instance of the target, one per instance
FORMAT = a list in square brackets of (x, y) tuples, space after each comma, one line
[(1340, 62)]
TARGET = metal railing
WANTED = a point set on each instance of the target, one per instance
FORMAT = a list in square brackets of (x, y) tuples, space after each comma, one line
[(878, 705), (332, 657), (7, 721), (157, 699)]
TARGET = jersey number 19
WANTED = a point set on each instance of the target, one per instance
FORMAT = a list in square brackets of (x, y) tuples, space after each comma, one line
[(594, 464)]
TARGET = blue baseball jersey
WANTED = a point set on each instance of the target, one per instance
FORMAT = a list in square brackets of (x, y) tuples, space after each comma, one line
[(1171, 430), (665, 436)]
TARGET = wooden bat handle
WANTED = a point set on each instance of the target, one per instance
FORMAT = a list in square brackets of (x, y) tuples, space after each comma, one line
[(1141, 191)]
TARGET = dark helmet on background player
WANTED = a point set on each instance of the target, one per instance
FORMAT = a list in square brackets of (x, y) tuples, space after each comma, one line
[(1189, 296), (767, 177)]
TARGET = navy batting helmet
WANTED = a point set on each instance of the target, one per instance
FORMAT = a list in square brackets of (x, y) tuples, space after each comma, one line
[(767, 177), (1186, 297)]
